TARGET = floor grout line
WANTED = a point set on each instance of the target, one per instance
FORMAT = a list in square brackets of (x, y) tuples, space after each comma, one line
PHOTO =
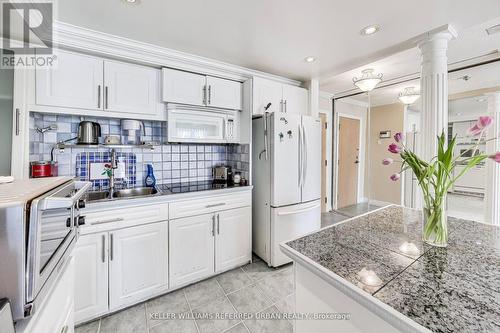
[(190, 309)]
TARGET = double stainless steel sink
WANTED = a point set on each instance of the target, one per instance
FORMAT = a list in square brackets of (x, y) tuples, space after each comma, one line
[(125, 193)]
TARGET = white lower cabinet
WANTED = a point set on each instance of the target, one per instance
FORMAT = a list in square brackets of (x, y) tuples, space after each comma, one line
[(233, 238), (138, 263), (91, 276), (191, 250), (206, 244), (128, 264)]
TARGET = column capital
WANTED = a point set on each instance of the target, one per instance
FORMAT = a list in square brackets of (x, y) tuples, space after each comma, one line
[(446, 32)]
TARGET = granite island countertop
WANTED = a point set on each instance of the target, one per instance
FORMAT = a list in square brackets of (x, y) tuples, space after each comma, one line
[(453, 289)]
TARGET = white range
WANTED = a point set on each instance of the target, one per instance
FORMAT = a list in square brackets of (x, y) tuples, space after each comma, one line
[(286, 171)]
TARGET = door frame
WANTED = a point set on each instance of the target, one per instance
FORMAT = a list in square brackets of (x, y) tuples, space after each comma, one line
[(361, 169)]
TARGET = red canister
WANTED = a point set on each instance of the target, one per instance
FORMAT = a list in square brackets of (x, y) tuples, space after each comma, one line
[(43, 169)]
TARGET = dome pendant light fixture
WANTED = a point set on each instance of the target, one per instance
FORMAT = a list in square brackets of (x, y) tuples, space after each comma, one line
[(368, 81), (408, 96)]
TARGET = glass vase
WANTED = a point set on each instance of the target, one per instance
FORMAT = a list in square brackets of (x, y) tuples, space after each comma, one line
[(435, 226)]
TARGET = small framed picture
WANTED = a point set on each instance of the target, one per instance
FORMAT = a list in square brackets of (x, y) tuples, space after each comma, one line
[(384, 135)]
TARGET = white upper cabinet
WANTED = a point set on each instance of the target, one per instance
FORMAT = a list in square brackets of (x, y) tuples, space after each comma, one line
[(265, 92), (183, 87), (223, 93), (295, 100), (138, 263), (91, 276), (191, 250), (196, 89), (76, 82), (283, 97), (131, 88), (233, 238), (102, 87)]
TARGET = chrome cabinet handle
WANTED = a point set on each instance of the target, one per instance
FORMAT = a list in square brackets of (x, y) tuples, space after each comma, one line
[(106, 97), (213, 225), (218, 224), (118, 219), (103, 254), (215, 205), (205, 95), (281, 105), (99, 96), (209, 94), (111, 247), (285, 106), (18, 114)]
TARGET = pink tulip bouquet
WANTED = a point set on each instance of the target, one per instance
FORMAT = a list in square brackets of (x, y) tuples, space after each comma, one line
[(437, 176)]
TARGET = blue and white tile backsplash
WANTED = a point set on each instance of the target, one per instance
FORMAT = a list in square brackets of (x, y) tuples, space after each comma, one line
[(172, 163)]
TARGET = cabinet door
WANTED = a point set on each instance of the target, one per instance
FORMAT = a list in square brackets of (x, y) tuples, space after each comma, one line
[(295, 100), (224, 93), (131, 88), (76, 82), (191, 249), (265, 92), (91, 281), (183, 87), (233, 238), (138, 262)]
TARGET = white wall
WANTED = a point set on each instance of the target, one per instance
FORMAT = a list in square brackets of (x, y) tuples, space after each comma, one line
[(325, 107)]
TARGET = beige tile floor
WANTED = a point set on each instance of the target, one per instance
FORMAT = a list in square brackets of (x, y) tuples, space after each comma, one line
[(254, 288)]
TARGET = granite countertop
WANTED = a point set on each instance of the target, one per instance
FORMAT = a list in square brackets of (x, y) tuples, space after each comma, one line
[(453, 289)]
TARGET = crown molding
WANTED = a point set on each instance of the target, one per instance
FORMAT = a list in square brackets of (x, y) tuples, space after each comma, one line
[(81, 39), (352, 101)]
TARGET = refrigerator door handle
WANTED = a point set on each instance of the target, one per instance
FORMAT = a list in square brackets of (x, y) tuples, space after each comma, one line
[(305, 154), (291, 212), (300, 157)]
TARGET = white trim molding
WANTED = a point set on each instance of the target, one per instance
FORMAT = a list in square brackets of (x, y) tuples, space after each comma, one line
[(95, 42)]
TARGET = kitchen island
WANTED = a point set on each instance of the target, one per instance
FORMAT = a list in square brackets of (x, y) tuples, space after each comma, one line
[(376, 268)]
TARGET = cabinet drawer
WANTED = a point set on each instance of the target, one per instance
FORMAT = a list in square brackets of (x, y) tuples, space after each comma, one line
[(96, 221), (210, 204)]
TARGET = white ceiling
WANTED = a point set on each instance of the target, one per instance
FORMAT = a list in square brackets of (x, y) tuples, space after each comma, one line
[(470, 43), (275, 36), (480, 77)]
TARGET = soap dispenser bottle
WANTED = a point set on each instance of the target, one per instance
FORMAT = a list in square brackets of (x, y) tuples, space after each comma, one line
[(150, 177)]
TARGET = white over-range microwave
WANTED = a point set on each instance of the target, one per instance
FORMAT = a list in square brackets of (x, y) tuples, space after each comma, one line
[(202, 125)]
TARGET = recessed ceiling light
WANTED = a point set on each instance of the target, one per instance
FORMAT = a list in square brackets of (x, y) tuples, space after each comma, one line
[(310, 59), (131, 1), (493, 29), (369, 30)]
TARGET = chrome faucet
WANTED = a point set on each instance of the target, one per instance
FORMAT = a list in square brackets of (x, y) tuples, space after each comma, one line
[(114, 166)]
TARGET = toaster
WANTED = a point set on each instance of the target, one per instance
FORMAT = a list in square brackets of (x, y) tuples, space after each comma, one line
[(222, 174)]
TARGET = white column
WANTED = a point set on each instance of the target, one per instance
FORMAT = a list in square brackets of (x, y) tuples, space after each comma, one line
[(492, 193), (434, 89), (313, 97)]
